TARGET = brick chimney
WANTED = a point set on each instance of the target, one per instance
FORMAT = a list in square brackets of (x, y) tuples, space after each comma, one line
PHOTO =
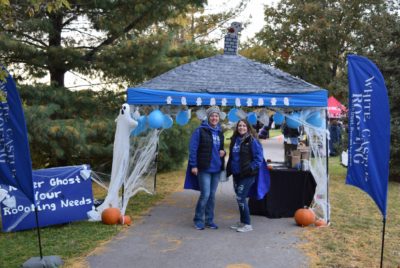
[(232, 39)]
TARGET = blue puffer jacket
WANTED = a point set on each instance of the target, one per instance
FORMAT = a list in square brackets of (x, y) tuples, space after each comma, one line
[(204, 147), (215, 163)]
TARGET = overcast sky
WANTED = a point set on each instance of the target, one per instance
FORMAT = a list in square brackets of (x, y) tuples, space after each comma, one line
[(254, 13)]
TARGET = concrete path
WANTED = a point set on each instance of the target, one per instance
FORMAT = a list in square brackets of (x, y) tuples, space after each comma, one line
[(273, 149), (166, 238)]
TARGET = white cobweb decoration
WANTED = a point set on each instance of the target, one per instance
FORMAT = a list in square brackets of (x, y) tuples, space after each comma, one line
[(318, 160), (318, 167), (142, 166), (134, 167)]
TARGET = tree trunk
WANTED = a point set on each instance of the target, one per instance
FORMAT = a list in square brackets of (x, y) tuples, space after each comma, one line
[(57, 77), (56, 65)]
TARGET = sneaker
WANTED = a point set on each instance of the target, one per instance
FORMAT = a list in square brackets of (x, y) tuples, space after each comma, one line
[(212, 225), (237, 225), (245, 228), (199, 226)]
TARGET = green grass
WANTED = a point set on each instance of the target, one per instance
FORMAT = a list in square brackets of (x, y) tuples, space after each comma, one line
[(352, 240), (354, 237), (274, 133)]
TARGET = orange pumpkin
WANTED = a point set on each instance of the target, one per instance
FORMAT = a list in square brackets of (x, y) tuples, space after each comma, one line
[(125, 219), (304, 216), (110, 216), (320, 223)]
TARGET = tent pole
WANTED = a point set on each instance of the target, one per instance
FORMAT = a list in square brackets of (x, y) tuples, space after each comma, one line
[(383, 239), (327, 166), (156, 161), (38, 232), (122, 195)]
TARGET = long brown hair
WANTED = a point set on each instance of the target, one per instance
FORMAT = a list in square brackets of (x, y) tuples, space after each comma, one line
[(250, 130)]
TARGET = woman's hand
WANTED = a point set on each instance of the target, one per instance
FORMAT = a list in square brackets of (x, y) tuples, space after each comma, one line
[(221, 153), (195, 171)]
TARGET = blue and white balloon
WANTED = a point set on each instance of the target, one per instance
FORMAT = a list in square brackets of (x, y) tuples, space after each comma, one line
[(278, 118), (252, 118), (293, 122), (141, 127), (232, 116), (315, 119), (182, 118), (168, 122), (156, 119)]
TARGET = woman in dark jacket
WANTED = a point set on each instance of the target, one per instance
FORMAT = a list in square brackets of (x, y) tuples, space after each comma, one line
[(206, 160), (245, 159)]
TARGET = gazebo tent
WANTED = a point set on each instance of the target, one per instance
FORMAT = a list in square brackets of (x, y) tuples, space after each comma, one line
[(233, 80), (227, 77), (335, 108)]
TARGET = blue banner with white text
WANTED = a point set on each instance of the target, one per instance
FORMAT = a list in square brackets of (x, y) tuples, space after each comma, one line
[(369, 130), (62, 194), (15, 157)]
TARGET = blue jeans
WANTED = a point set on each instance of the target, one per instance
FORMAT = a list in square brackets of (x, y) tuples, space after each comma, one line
[(242, 187), (208, 183)]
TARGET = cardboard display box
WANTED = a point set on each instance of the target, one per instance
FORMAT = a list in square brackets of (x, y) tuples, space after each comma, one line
[(304, 152), (295, 153), (305, 155), (295, 160)]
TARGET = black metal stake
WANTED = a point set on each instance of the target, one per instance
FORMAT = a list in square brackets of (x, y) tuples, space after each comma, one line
[(122, 195), (38, 232), (156, 160), (383, 239), (327, 166)]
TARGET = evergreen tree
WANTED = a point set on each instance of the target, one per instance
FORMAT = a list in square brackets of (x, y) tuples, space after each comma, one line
[(70, 128), (9, 19), (134, 43), (116, 38)]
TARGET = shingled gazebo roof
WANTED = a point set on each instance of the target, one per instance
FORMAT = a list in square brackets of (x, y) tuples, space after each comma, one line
[(228, 79), (228, 74)]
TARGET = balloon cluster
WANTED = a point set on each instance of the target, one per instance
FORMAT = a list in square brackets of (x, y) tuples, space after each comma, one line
[(293, 121), (315, 119), (156, 120)]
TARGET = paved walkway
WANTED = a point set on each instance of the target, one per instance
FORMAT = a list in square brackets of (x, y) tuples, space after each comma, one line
[(166, 238), (273, 149)]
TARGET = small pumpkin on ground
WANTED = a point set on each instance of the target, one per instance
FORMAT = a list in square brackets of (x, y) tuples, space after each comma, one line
[(304, 216), (125, 219), (110, 216), (320, 223)]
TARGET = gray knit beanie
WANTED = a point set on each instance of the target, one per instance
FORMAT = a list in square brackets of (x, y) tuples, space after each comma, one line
[(213, 109)]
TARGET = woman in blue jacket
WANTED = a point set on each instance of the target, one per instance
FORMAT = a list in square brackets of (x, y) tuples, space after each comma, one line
[(245, 160), (206, 160)]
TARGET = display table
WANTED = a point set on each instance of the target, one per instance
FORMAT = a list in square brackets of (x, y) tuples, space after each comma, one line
[(290, 190)]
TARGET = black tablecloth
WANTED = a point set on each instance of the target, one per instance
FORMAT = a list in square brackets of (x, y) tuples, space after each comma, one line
[(289, 191)]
